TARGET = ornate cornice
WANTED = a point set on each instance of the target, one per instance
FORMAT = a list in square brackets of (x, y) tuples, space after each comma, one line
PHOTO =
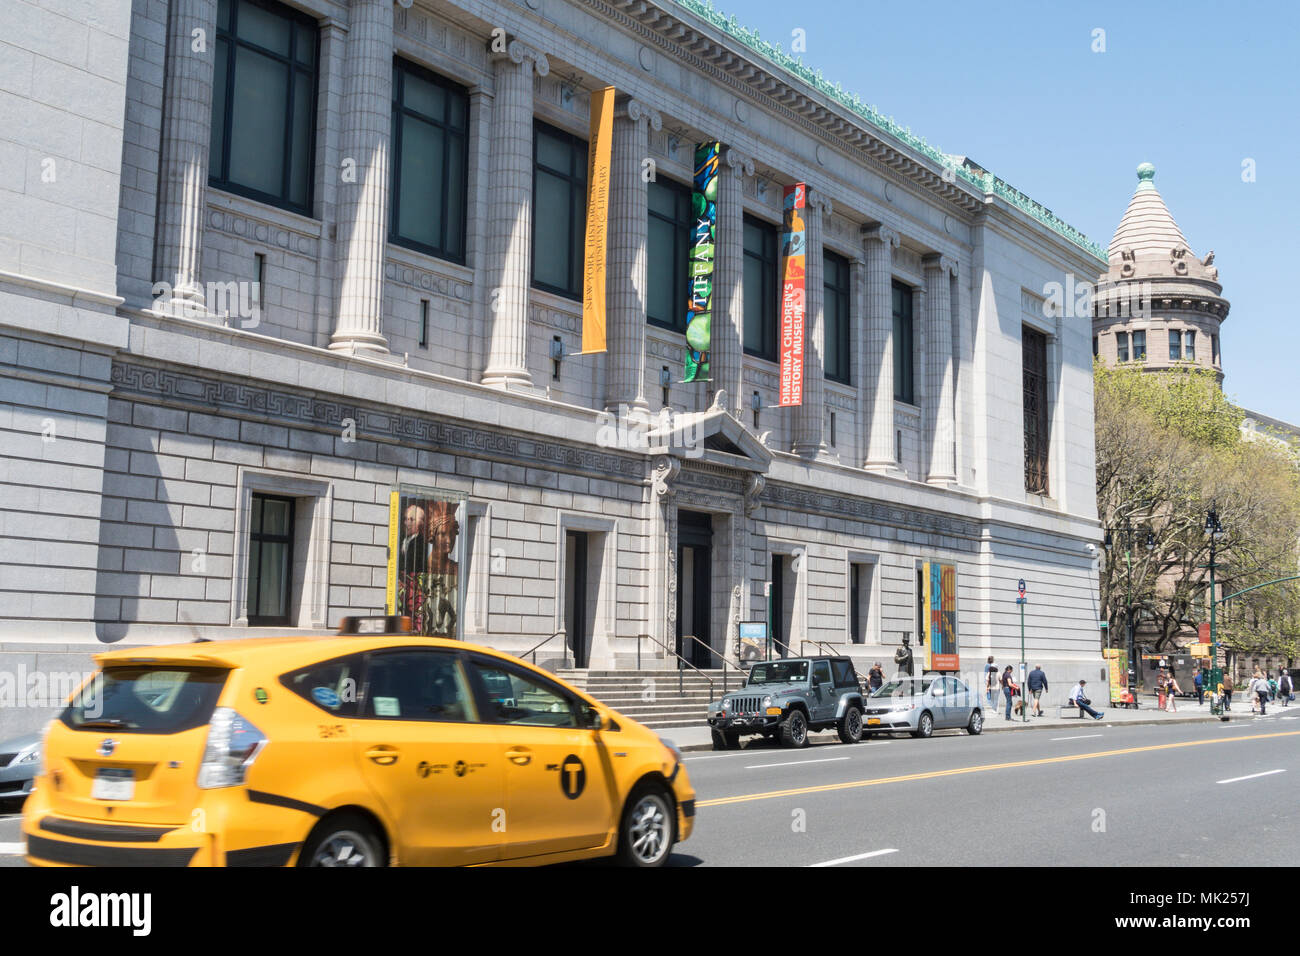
[(801, 498), (864, 132)]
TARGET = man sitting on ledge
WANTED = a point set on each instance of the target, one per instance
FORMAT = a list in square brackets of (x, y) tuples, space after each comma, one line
[(1079, 700)]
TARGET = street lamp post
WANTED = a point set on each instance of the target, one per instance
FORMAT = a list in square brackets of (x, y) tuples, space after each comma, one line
[(1215, 530)]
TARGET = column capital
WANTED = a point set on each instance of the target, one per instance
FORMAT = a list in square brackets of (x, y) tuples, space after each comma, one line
[(819, 201), (636, 110), (740, 164), (940, 263), (517, 52), (879, 232)]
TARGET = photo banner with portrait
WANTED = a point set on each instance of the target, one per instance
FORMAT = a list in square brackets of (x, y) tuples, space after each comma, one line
[(426, 551)]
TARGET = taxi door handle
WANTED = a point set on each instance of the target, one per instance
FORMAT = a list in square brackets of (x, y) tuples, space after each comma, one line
[(384, 756), (519, 755)]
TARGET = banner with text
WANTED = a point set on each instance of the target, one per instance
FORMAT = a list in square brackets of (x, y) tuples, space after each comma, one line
[(939, 582), (593, 263), (699, 302), (793, 290)]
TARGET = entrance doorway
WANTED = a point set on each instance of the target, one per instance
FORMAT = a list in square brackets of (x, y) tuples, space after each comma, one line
[(576, 620), (694, 586), (777, 607)]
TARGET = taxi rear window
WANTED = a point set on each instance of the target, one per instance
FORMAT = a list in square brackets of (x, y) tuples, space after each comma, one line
[(148, 699)]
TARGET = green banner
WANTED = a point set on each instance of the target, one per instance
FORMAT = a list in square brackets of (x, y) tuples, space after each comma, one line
[(699, 309)]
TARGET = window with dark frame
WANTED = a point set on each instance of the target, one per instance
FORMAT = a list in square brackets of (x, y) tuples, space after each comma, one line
[(1037, 439), (559, 210), (270, 561), (837, 284), (1175, 345), (668, 239), (1214, 348), (430, 157), (264, 103), (760, 288), (1121, 346), (1189, 345), (1139, 346), (903, 331)]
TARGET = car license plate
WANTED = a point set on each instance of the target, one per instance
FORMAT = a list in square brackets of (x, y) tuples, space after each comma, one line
[(113, 784), (873, 721)]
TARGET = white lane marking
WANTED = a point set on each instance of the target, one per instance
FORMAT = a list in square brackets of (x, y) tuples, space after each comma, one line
[(12, 849), (850, 859), (1082, 737), (794, 763), (1266, 773)]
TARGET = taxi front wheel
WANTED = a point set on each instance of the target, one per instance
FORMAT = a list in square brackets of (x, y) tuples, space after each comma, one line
[(343, 841), (646, 833)]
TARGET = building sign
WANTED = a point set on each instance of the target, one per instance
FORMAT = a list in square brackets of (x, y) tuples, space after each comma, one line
[(593, 264), (753, 641), (699, 303), (793, 290), (939, 599), (425, 555)]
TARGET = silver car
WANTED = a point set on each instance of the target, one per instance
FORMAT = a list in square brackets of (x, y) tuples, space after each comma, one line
[(20, 759), (921, 705)]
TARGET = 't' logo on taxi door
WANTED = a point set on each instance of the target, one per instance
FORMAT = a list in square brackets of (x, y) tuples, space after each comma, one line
[(573, 777)]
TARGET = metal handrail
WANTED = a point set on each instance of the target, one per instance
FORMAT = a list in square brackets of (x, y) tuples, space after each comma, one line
[(721, 656), (680, 683), (820, 644), (533, 651)]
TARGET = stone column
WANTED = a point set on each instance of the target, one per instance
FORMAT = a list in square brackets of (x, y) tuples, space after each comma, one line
[(183, 164), (510, 215), (727, 331), (626, 273), (876, 391), (363, 202), (810, 413), (939, 380)]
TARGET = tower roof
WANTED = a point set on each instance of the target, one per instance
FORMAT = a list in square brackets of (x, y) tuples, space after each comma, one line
[(1147, 227)]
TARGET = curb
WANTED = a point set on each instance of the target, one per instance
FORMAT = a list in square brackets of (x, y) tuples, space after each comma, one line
[(1020, 726)]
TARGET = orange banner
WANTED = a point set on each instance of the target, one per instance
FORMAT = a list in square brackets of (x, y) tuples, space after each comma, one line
[(793, 290), (593, 266)]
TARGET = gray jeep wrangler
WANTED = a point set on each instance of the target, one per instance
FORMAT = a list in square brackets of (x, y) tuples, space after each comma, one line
[(789, 698)]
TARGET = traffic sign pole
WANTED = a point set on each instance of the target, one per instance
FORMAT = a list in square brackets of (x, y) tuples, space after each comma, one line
[(1024, 684)]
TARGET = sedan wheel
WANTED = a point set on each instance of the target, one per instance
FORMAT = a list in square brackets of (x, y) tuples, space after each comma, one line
[(924, 726), (976, 723)]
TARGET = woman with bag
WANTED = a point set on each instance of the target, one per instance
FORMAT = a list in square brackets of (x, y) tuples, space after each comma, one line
[(1008, 689), (1171, 690)]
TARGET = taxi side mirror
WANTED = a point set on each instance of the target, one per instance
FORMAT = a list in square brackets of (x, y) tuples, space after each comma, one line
[(593, 720)]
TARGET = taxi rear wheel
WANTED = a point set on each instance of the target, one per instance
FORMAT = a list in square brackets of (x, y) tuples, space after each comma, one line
[(343, 841), (649, 826)]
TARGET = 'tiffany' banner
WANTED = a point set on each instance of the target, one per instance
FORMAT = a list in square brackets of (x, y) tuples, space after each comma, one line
[(699, 308), (593, 266), (792, 295)]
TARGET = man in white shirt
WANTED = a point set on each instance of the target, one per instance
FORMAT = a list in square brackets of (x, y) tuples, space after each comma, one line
[(1080, 700)]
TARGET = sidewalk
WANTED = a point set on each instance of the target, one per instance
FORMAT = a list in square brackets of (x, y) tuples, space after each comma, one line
[(1189, 712)]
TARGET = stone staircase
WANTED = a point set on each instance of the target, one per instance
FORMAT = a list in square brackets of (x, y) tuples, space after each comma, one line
[(653, 697)]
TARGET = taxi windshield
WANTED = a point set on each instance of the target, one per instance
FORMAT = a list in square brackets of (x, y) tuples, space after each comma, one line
[(779, 672)]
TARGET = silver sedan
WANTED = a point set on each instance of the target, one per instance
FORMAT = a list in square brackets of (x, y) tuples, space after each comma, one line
[(20, 758), (921, 705)]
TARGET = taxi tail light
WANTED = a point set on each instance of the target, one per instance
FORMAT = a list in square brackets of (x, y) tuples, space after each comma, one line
[(233, 745)]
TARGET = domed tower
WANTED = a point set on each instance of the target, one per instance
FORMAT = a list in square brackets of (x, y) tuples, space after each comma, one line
[(1158, 303)]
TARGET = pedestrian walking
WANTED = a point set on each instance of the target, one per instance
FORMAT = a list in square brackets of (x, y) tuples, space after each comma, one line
[(1007, 689), (1285, 689), (1037, 688), (1199, 683), (1162, 683), (1260, 686), (1272, 686), (1252, 691), (1227, 687), (1172, 690), (1078, 698), (875, 677), (991, 684)]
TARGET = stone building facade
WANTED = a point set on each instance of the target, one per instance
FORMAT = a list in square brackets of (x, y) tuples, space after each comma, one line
[(204, 312)]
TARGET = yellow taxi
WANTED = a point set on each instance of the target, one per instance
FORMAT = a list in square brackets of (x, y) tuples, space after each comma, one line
[(356, 749)]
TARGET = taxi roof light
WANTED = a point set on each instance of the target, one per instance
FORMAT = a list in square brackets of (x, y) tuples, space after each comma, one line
[(375, 624)]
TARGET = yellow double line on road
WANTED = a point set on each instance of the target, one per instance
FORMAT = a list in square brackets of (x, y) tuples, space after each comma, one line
[(932, 774)]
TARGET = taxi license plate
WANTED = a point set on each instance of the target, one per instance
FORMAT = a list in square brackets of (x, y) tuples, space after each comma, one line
[(113, 784), (873, 721)]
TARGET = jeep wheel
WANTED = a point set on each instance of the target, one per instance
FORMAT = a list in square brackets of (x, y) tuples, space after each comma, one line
[(794, 730), (850, 727), (924, 726), (976, 722), (725, 740)]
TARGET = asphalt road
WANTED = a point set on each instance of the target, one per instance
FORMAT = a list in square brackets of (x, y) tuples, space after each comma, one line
[(1091, 796)]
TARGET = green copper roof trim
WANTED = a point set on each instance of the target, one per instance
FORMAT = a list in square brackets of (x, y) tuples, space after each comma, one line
[(986, 183)]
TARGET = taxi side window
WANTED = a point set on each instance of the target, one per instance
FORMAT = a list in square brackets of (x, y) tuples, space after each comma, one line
[(417, 685), (513, 698), (330, 685)]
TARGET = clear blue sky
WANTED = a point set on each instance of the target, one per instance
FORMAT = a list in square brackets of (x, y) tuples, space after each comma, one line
[(1193, 87)]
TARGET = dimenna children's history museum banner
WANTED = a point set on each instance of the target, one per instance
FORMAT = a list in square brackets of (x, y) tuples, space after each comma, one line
[(793, 290), (699, 305)]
